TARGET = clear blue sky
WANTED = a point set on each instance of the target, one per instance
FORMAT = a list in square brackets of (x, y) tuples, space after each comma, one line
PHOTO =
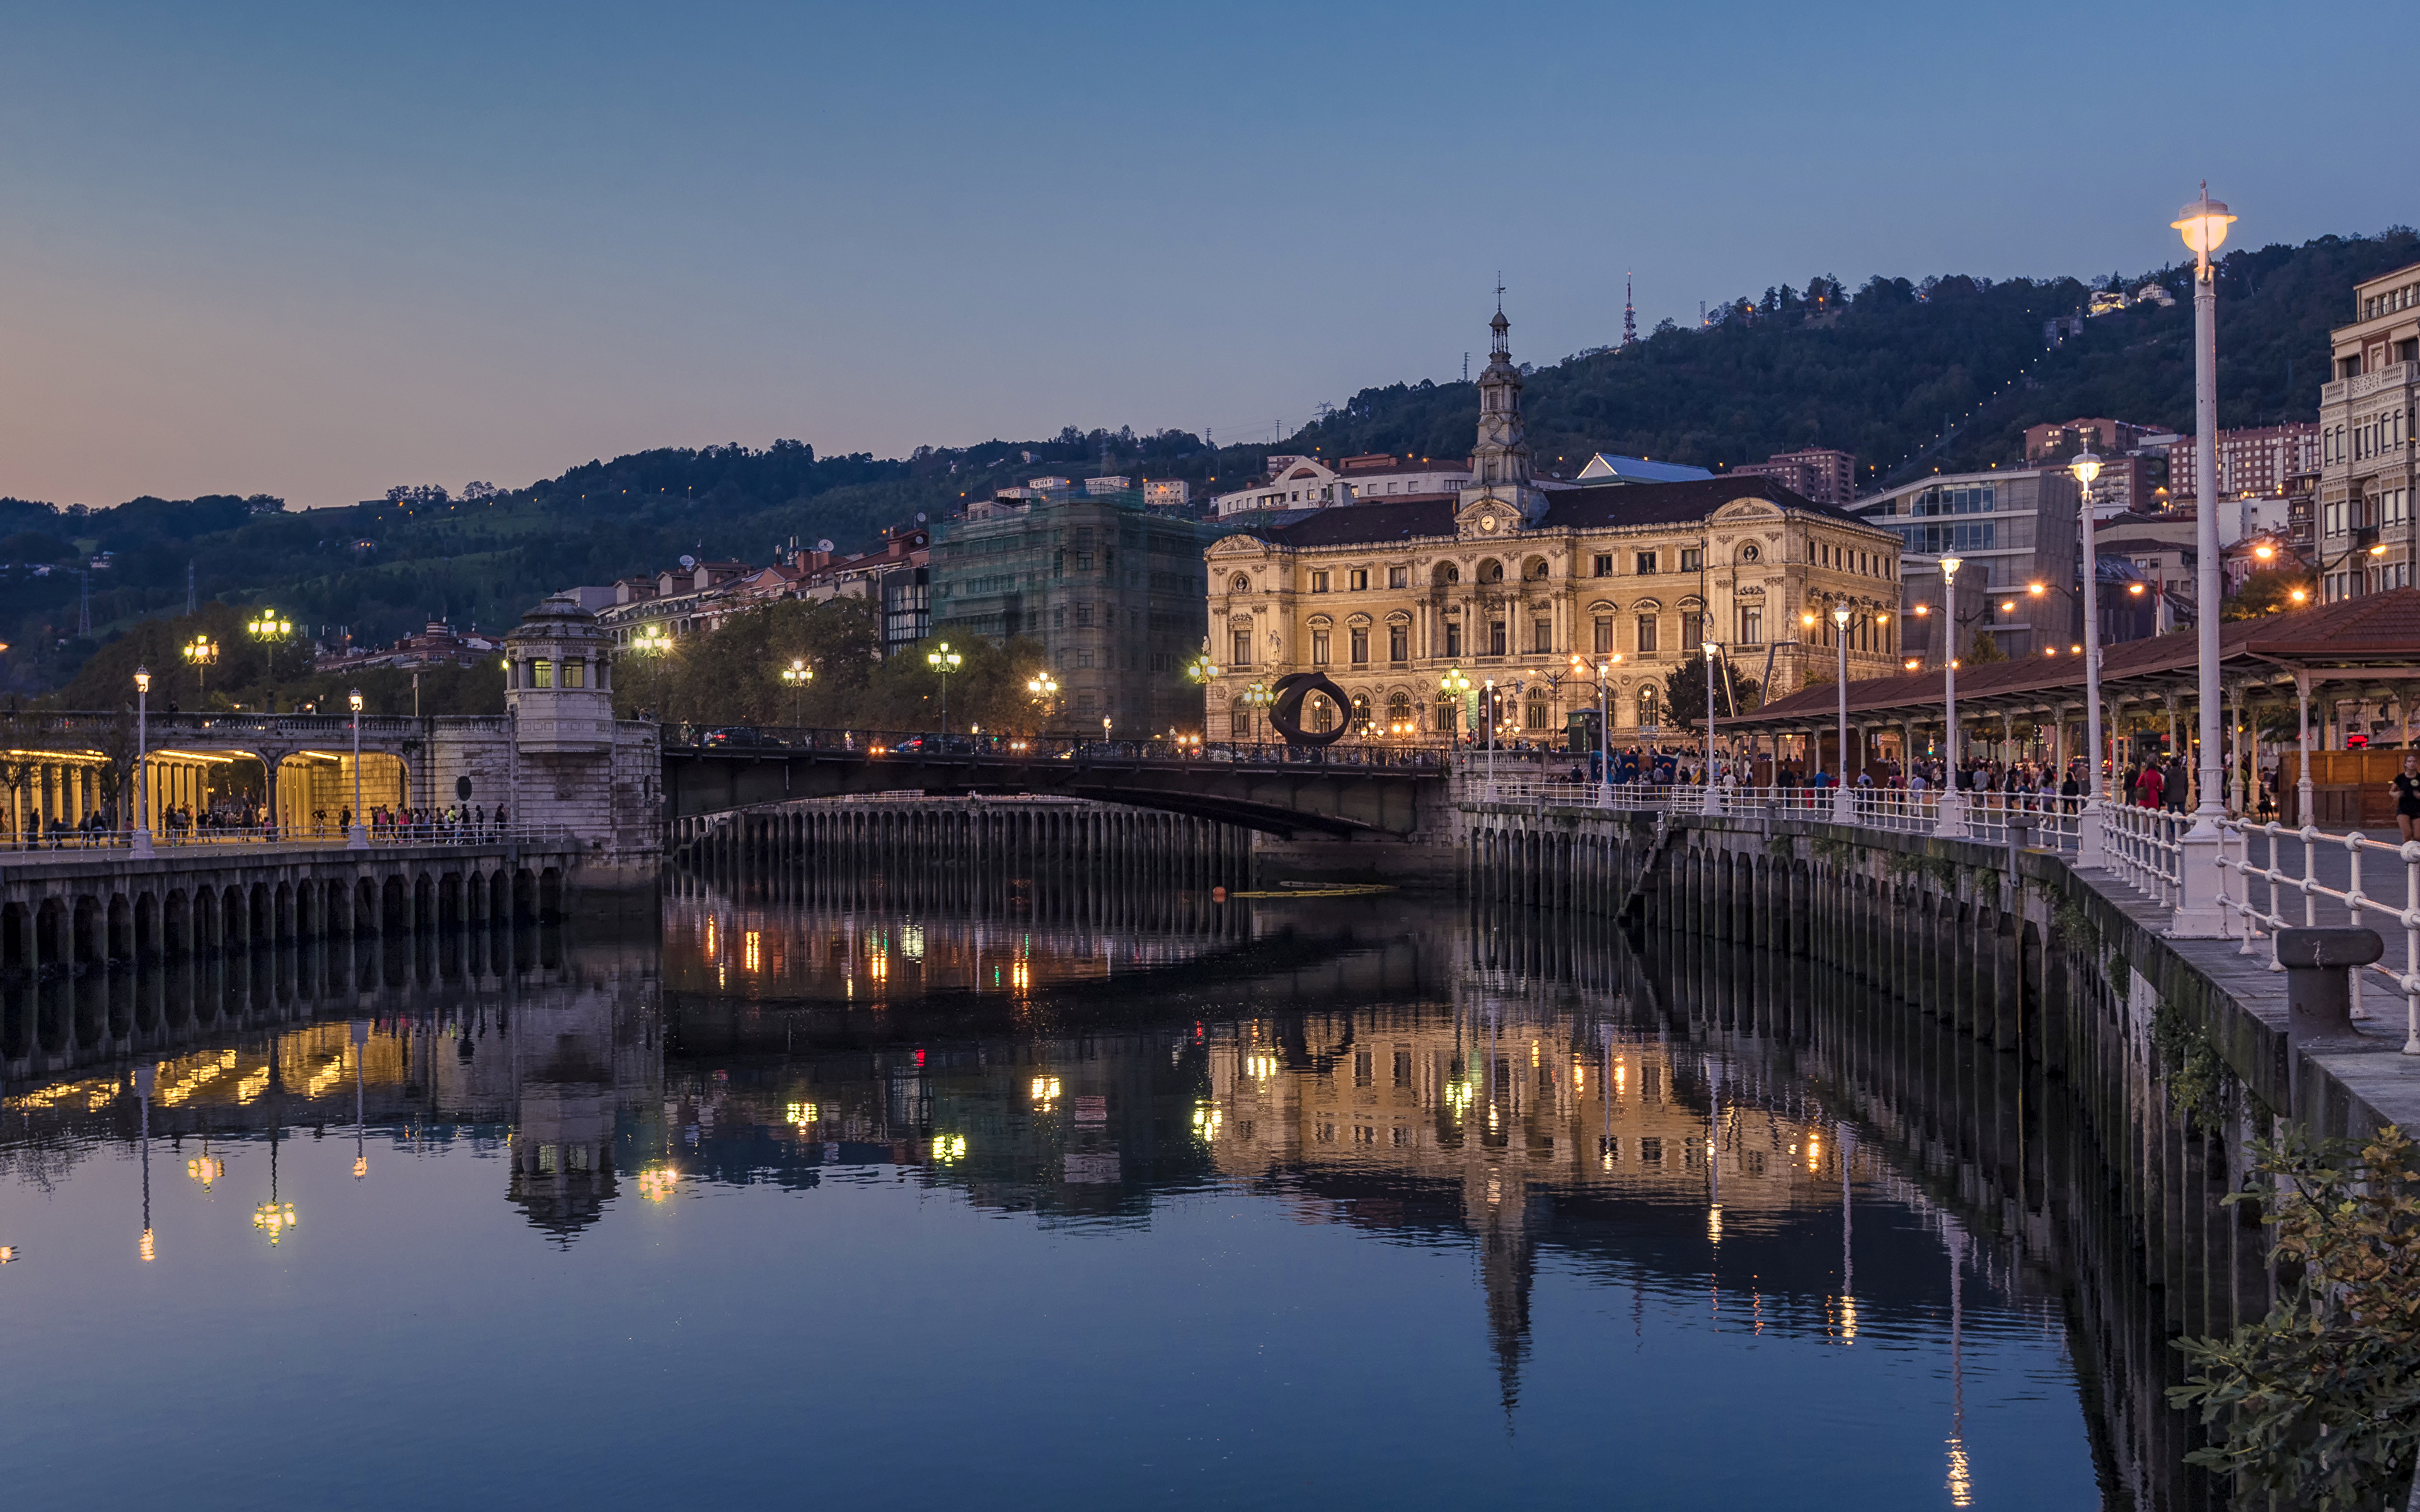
[(315, 249)]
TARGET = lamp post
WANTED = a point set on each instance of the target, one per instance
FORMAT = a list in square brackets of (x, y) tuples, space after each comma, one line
[(141, 841), (1488, 699), (797, 674), (1843, 805), (2087, 467), (945, 661), (1204, 672), (272, 631), (1952, 819), (1711, 802), (1604, 726), (2203, 225), (1045, 688), (358, 838), (201, 651), (1257, 699)]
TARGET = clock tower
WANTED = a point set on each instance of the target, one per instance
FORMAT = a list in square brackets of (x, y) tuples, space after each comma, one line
[(1500, 493)]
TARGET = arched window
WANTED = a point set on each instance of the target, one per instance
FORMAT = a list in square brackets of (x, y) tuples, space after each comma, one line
[(1649, 708), (1536, 716), (1323, 714), (1491, 571), (1534, 570), (1360, 711), (1399, 708), (1448, 716), (1446, 573), (1239, 584)]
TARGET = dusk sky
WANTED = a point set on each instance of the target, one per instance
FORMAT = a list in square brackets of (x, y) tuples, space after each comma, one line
[(318, 250)]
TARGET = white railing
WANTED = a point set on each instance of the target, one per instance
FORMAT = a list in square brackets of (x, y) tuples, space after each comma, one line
[(2049, 822), (2140, 845), (71, 841), (2255, 896)]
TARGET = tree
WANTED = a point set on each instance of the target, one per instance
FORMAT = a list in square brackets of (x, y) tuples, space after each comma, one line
[(2268, 592), (1983, 649), (1685, 692)]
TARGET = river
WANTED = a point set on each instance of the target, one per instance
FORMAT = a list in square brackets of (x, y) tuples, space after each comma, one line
[(833, 1190)]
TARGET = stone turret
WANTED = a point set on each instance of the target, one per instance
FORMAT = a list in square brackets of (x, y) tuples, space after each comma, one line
[(558, 681)]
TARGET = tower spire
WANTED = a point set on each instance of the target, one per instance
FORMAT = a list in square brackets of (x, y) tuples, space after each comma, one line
[(1629, 314)]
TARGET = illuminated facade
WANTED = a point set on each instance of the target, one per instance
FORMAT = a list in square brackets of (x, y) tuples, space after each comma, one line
[(2369, 413)]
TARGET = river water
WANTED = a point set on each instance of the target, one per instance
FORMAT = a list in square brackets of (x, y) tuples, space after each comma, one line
[(831, 1192)]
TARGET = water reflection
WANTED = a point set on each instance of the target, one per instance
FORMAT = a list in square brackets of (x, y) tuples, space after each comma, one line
[(1368, 1136)]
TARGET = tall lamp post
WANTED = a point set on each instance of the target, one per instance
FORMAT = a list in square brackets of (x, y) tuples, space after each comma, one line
[(201, 651), (1045, 688), (141, 841), (945, 661), (1843, 802), (1604, 726), (797, 674), (2203, 225), (2086, 466), (357, 838), (1712, 802), (1953, 821), (1204, 672)]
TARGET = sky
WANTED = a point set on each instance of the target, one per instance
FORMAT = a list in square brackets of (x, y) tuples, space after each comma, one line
[(318, 250)]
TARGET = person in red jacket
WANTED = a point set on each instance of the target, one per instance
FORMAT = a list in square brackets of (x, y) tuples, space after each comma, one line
[(2148, 786)]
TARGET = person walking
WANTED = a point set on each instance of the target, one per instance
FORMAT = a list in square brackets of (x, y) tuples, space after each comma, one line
[(2148, 786), (2407, 796)]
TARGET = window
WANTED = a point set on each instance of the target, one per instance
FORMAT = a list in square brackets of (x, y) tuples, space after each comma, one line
[(1693, 559), (1693, 631), (1541, 638), (541, 673), (1604, 566), (1647, 635), (1357, 580), (1084, 616), (1452, 638), (1491, 571), (575, 674), (1319, 582), (1084, 658), (1448, 716), (1649, 708), (1323, 714), (1362, 711), (1319, 648), (1751, 629), (1647, 564), (1242, 649), (1496, 637), (1398, 642), (1446, 573), (1398, 577), (1603, 634), (1088, 702), (1399, 708), (1535, 717), (1360, 645)]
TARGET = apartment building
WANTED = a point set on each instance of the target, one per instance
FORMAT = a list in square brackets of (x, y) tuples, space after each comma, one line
[(2010, 528), (2367, 410)]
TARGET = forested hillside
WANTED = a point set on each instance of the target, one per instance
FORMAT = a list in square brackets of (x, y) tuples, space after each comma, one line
[(1877, 370)]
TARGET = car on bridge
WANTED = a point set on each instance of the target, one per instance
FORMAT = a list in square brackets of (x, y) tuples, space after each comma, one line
[(933, 745), (735, 735)]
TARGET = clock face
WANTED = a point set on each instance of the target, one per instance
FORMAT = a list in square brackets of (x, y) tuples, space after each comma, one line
[(1487, 522)]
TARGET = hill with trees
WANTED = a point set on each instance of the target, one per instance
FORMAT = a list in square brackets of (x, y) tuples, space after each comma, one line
[(1947, 372)]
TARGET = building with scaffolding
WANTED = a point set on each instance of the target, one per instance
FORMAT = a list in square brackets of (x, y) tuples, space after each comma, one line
[(1112, 589)]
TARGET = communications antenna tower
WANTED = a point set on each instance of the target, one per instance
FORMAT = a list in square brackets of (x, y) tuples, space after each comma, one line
[(1629, 314)]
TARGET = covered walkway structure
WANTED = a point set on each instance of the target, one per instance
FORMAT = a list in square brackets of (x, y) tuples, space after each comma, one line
[(2312, 677)]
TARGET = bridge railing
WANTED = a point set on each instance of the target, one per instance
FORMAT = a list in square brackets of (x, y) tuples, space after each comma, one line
[(2268, 867), (314, 836), (928, 746)]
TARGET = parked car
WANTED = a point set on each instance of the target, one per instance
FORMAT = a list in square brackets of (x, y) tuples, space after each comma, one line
[(737, 735)]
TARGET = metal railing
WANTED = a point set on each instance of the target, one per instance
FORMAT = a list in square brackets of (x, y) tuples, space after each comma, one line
[(927, 746), (291, 837), (2257, 895), (2141, 846)]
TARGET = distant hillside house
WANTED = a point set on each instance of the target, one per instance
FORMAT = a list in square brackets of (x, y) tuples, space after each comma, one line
[(1307, 483)]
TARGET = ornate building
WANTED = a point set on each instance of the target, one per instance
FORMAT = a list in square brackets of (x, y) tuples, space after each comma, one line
[(1511, 579)]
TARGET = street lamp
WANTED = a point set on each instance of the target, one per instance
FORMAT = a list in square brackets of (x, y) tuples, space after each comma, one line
[(2086, 466), (1202, 669), (1714, 649), (944, 661), (1257, 698), (1603, 725), (797, 674), (2203, 225), (201, 651), (1842, 805), (1952, 822), (1044, 687), (141, 843), (358, 838)]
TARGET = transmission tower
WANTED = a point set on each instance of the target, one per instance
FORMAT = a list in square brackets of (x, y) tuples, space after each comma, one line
[(1629, 314)]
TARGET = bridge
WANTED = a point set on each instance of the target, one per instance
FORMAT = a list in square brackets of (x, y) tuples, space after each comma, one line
[(1378, 794)]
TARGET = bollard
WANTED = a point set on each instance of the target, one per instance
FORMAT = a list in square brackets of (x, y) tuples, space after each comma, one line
[(2318, 965)]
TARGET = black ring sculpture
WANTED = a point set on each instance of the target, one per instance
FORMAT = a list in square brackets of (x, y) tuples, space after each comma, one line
[(1291, 691)]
